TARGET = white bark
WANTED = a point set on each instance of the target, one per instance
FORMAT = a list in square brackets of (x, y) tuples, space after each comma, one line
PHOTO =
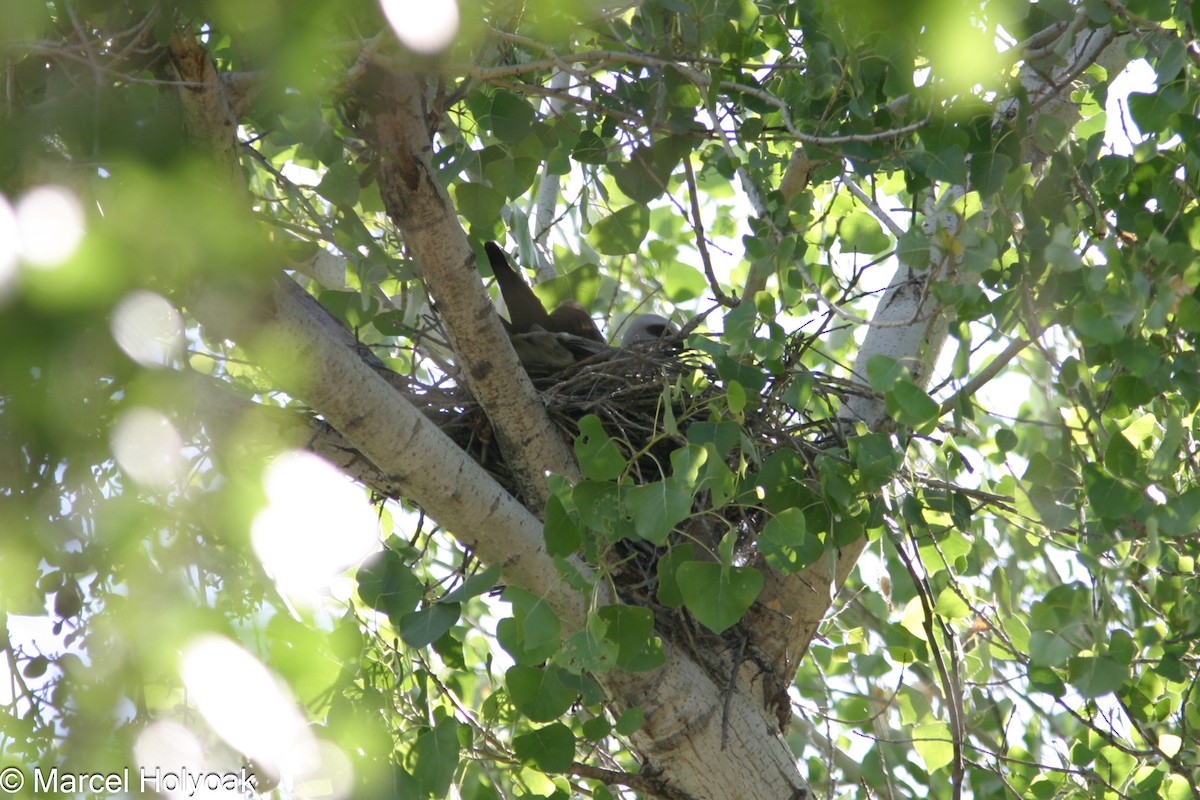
[(909, 325), (685, 709), (419, 205), (547, 192)]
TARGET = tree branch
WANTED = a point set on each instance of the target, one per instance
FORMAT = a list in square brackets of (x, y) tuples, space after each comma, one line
[(420, 207)]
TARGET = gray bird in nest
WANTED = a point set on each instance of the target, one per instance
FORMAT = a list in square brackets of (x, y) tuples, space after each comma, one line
[(647, 329)]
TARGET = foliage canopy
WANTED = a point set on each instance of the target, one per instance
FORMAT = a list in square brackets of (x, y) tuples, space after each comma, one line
[(1024, 617)]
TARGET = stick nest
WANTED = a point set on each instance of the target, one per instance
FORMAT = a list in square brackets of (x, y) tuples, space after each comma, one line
[(648, 398)]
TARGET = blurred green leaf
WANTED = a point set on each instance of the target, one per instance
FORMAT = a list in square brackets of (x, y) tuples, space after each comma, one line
[(435, 758), (387, 584), (632, 629), (424, 627), (511, 117), (621, 232)]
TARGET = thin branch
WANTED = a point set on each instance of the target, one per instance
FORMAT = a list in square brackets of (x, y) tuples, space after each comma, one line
[(949, 676), (874, 208), (701, 244), (986, 374)]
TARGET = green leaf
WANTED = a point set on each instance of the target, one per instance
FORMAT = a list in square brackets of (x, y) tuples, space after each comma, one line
[(631, 628), (1094, 676), (339, 185), (799, 391), (537, 693), (1050, 131), (424, 627), (1006, 440), (630, 721), (586, 652), (723, 436), (861, 233), (950, 606), (350, 307), (435, 758), (943, 549), (474, 586), (786, 544), (1122, 459), (1109, 497), (686, 463), (561, 533), (581, 284), (645, 176), (1045, 679), (596, 728), (590, 149), (910, 405), (598, 456), (387, 584), (876, 459), (511, 169), (657, 508), (1153, 112), (1050, 649), (511, 117), (479, 205), (883, 372), (669, 593), (682, 282), (949, 165), (988, 171), (598, 506), (1096, 326), (735, 398), (622, 232), (550, 749), (718, 480), (934, 745), (533, 633), (718, 595), (36, 667)]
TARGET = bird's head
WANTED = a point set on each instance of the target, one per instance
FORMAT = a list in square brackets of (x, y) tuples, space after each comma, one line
[(647, 329)]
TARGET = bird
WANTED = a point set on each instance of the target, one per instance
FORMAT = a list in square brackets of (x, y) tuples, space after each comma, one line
[(647, 329), (545, 341)]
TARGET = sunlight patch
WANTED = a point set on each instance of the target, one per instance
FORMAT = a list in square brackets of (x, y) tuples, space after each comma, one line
[(148, 328), (425, 26), (316, 524), (245, 705), (148, 447), (168, 745), (9, 247), (50, 220)]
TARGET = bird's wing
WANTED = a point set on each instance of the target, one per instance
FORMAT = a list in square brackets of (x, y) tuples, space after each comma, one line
[(524, 308), (541, 352)]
